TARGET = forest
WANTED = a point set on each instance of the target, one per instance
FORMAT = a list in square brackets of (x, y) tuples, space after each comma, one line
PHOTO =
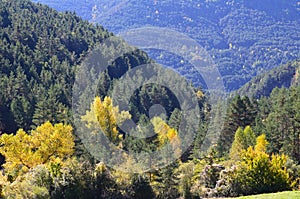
[(245, 38), (42, 51)]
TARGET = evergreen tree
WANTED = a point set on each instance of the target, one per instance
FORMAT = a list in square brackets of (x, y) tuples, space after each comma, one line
[(241, 113), (282, 123), (166, 182), (141, 188), (175, 119), (40, 50)]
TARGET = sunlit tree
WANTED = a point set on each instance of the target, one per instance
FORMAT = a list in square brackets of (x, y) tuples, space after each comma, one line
[(44, 144), (107, 116), (242, 140)]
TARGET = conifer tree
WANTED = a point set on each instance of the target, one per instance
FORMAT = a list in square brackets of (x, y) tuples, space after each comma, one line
[(241, 113), (165, 183)]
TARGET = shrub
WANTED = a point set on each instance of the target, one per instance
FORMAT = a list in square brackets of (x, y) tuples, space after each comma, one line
[(259, 172)]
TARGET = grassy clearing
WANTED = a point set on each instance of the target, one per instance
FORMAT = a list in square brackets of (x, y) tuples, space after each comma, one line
[(281, 195)]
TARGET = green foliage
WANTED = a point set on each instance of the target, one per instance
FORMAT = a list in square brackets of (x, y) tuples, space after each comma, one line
[(40, 51), (165, 183), (262, 85), (242, 140), (294, 172), (152, 94), (259, 172), (245, 38), (141, 188), (241, 113), (277, 116), (74, 179), (283, 122), (185, 173)]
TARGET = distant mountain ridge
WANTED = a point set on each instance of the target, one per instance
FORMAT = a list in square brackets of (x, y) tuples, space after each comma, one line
[(262, 85), (245, 38)]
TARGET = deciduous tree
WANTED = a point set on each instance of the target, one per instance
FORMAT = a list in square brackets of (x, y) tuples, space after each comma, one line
[(44, 144)]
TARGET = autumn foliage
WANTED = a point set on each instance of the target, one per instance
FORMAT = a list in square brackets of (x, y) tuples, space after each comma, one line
[(46, 143)]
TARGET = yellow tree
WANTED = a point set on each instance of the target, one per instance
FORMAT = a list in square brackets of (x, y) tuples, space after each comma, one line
[(242, 140), (166, 134), (261, 143), (45, 144), (237, 146), (107, 116), (259, 172)]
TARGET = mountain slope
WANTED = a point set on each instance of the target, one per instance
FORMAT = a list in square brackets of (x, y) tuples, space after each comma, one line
[(245, 38), (40, 49), (262, 85)]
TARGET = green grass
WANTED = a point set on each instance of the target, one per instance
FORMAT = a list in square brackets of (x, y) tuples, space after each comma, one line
[(281, 195)]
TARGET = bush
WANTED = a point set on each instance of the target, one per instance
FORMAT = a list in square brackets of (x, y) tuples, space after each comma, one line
[(258, 172), (294, 171), (32, 185)]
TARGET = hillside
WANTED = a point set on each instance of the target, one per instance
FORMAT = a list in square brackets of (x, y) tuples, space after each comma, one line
[(40, 50), (262, 85), (244, 38), (63, 136)]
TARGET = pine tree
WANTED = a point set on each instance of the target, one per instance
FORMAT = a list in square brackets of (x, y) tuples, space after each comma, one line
[(43, 109), (282, 124), (166, 182), (141, 187), (175, 119), (241, 113)]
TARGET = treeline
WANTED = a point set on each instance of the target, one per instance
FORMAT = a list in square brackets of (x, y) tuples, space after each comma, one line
[(245, 38), (259, 159), (262, 85), (277, 116)]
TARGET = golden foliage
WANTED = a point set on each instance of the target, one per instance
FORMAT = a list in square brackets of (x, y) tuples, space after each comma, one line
[(261, 143), (46, 143), (259, 172), (107, 116), (166, 134)]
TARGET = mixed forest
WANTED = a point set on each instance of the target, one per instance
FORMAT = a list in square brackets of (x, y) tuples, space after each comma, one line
[(244, 38), (42, 156)]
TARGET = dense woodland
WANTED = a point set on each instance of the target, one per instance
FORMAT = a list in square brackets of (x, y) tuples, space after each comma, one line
[(43, 157), (245, 38), (40, 50), (262, 85)]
